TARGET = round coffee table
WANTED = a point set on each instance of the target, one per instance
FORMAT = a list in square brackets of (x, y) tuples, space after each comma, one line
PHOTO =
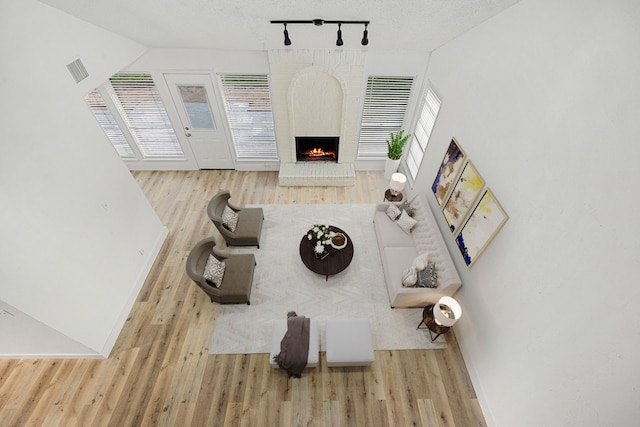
[(336, 261)]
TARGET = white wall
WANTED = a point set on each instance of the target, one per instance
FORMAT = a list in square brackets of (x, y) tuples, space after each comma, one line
[(77, 234), (545, 100)]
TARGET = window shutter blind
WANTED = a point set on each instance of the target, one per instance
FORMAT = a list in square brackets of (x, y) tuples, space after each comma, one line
[(422, 132), (383, 112), (110, 126), (141, 107), (248, 105)]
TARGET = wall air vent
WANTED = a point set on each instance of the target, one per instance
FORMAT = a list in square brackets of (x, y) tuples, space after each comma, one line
[(77, 70)]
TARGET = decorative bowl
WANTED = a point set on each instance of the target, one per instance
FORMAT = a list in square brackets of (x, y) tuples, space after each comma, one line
[(339, 241)]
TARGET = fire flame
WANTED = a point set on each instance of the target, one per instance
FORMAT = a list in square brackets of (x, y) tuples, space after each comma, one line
[(315, 152)]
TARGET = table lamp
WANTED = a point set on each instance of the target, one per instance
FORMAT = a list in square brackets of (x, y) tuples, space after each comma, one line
[(447, 311), (397, 183)]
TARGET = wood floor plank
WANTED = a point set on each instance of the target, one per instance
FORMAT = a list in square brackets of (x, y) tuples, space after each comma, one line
[(159, 372)]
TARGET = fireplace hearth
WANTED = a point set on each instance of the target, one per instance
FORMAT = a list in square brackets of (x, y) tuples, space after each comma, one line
[(317, 148)]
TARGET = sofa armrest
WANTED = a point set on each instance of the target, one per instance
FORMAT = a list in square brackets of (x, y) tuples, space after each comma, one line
[(382, 207)]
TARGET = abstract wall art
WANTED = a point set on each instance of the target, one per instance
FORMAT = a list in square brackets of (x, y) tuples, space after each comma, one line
[(483, 224), (464, 194), (448, 171)]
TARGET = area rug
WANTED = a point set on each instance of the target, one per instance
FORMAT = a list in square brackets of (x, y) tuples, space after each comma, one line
[(282, 283)]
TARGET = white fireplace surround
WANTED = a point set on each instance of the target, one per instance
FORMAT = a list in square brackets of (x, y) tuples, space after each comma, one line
[(316, 93)]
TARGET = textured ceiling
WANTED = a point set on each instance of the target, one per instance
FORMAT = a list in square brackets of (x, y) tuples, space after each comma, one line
[(409, 25)]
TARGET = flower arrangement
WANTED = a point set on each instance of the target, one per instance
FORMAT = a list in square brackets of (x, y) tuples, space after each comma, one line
[(323, 236)]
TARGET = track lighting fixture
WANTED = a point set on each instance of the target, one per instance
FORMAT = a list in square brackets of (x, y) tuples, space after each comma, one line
[(319, 22)]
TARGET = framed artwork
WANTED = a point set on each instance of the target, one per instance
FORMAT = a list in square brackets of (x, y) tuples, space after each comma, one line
[(462, 196), (483, 224), (449, 168)]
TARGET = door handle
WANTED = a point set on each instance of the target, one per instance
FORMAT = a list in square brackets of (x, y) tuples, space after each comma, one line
[(187, 134)]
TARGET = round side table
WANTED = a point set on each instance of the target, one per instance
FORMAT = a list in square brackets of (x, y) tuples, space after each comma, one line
[(389, 197), (430, 322)]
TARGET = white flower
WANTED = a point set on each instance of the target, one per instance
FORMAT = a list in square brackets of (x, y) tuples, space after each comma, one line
[(319, 248)]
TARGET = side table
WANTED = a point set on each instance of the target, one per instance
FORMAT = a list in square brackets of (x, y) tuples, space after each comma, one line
[(388, 197), (430, 322)]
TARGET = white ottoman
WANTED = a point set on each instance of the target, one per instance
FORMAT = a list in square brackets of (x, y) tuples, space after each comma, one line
[(349, 342), (280, 328)]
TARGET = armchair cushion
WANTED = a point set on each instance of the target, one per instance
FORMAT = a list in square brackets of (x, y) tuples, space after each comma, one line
[(229, 218), (214, 271)]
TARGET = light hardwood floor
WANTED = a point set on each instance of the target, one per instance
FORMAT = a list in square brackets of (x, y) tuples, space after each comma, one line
[(159, 372)]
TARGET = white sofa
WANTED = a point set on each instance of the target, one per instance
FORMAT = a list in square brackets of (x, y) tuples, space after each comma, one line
[(398, 250)]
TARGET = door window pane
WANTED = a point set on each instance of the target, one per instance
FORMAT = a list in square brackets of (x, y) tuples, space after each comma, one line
[(196, 104)]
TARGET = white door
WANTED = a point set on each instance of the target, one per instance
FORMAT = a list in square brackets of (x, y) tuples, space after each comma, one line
[(194, 98)]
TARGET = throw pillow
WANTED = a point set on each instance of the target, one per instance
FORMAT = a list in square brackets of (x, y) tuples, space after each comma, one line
[(214, 271), (406, 222), (420, 262), (409, 278), (428, 278), (405, 206), (229, 218), (393, 212)]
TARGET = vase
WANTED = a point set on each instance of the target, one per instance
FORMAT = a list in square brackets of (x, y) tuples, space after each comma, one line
[(390, 167)]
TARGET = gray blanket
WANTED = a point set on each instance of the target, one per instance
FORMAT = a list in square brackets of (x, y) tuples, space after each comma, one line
[(294, 347)]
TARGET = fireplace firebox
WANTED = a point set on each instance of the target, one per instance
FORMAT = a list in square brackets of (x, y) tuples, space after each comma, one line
[(317, 148)]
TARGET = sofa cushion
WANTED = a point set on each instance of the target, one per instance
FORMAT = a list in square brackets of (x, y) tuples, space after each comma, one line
[(406, 206), (397, 261), (405, 222), (393, 212), (389, 233), (409, 277), (421, 261), (428, 278)]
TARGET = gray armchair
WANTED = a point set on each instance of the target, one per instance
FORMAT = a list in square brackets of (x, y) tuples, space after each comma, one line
[(249, 227), (238, 276)]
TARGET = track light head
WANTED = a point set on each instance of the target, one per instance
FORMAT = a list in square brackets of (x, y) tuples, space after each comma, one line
[(339, 42), (287, 40), (365, 36)]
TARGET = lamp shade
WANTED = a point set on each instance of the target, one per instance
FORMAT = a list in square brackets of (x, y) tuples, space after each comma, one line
[(397, 182), (447, 311)]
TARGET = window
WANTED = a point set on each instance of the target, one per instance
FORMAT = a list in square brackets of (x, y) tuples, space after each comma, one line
[(141, 107), (422, 132), (109, 124), (385, 104), (248, 104)]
